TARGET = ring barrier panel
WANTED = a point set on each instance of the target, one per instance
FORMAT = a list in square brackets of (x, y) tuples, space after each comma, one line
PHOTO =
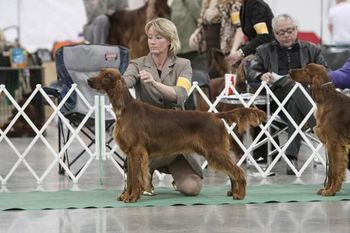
[(101, 153), (265, 129)]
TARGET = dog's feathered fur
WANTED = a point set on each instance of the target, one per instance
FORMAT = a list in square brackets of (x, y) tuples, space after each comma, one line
[(332, 122), (144, 131)]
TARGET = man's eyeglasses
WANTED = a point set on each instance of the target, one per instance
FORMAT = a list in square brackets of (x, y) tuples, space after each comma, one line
[(289, 31)]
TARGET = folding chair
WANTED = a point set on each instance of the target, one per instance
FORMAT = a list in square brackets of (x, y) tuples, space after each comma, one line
[(74, 65)]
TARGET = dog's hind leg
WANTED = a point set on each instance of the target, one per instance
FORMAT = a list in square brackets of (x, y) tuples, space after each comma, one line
[(220, 160), (336, 169), (342, 162)]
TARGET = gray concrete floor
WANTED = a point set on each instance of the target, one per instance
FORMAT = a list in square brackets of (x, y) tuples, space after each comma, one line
[(277, 217)]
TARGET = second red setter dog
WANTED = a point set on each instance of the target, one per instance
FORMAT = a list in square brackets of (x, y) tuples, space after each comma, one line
[(332, 123), (144, 131), (128, 26)]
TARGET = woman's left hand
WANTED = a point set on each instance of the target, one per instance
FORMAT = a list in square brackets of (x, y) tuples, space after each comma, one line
[(146, 77)]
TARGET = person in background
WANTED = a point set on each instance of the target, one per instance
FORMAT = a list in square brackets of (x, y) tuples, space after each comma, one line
[(162, 79), (341, 77), (255, 20), (286, 52), (184, 15), (2, 41), (218, 27), (97, 11), (339, 23)]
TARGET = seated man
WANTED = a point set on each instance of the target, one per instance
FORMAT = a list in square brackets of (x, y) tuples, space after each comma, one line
[(97, 28), (279, 56)]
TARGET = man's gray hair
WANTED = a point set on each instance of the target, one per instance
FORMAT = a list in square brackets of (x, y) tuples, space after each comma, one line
[(283, 17)]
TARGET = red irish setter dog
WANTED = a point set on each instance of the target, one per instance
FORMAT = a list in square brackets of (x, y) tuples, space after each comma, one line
[(332, 122), (128, 26), (168, 132)]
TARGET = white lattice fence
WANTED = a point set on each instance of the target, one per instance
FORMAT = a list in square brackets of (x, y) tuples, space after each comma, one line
[(265, 129), (100, 152), (52, 151)]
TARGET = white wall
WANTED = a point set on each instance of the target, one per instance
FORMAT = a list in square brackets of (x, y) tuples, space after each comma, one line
[(134, 4), (311, 14), (42, 22)]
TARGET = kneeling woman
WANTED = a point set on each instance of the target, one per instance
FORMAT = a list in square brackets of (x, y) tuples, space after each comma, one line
[(162, 79)]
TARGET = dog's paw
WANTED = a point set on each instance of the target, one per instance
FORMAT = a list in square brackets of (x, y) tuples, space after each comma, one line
[(122, 197), (326, 192), (236, 195), (132, 198)]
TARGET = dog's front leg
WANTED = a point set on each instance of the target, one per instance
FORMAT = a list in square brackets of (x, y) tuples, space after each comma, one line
[(334, 179), (138, 175), (124, 196)]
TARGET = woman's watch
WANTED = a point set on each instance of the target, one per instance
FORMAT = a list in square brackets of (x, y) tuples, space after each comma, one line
[(240, 53)]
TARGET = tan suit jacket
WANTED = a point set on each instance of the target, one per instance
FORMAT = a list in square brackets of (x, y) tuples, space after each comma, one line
[(174, 68)]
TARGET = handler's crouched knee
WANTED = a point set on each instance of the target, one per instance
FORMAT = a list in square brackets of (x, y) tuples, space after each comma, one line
[(190, 186)]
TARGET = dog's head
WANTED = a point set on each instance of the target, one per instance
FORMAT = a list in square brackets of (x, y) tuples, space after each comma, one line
[(108, 78), (255, 116), (110, 81), (312, 74), (249, 117)]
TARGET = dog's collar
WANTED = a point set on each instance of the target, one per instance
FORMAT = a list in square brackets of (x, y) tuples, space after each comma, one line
[(326, 83)]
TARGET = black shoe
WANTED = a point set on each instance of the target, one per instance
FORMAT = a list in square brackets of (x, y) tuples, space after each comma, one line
[(289, 169)]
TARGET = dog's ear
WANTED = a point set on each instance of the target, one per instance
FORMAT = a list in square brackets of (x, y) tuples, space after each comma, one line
[(108, 75), (315, 80), (321, 93), (317, 94), (317, 74)]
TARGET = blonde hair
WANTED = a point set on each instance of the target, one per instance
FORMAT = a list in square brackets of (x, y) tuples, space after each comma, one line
[(167, 29)]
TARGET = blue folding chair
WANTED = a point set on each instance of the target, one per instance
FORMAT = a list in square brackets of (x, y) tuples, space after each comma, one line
[(75, 64)]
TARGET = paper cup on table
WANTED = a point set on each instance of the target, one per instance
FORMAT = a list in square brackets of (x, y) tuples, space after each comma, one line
[(230, 83)]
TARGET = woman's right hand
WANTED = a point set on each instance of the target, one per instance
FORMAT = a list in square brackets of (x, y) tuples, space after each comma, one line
[(194, 40)]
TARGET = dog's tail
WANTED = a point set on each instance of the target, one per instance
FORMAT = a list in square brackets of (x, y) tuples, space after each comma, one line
[(243, 117)]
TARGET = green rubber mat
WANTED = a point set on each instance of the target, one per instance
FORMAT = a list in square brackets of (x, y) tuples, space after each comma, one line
[(210, 195)]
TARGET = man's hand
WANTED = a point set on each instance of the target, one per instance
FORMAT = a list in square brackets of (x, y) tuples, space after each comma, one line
[(267, 77)]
